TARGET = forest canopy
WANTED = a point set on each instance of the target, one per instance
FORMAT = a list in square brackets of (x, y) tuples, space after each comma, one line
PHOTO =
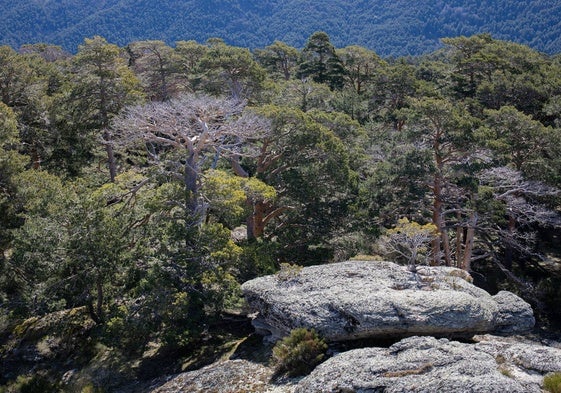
[(142, 184), (389, 27)]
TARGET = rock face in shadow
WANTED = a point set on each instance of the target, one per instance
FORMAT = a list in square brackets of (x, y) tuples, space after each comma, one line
[(358, 299), (427, 364)]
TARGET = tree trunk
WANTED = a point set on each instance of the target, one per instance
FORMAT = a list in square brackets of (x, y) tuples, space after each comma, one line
[(111, 163), (437, 240), (509, 252), (256, 222), (286, 70), (35, 158), (237, 168), (460, 233), (163, 81), (445, 244), (95, 311), (99, 299), (191, 186), (469, 240), (441, 242)]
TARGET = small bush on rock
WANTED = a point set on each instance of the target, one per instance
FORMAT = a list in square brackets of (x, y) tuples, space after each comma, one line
[(299, 353), (288, 272), (552, 383)]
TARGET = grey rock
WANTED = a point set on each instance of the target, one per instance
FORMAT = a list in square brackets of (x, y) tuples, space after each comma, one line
[(358, 299), (514, 314), (230, 376), (523, 359), (427, 364)]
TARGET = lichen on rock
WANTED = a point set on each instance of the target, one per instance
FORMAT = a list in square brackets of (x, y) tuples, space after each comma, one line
[(359, 299)]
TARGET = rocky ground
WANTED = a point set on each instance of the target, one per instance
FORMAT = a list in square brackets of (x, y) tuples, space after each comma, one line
[(343, 294), (371, 313), (416, 364), (427, 364)]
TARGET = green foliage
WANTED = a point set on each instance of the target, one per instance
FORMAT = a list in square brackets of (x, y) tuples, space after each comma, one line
[(408, 242), (163, 315), (29, 384), (394, 182), (231, 71), (279, 59), (226, 196), (218, 243), (158, 67), (299, 353), (401, 28), (361, 67), (90, 388), (232, 196), (391, 90), (313, 168), (222, 291), (288, 272), (311, 172), (552, 382), (517, 139), (11, 163), (501, 74), (258, 259), (320, 62), (90, 237), (302, 94), (101, 85)]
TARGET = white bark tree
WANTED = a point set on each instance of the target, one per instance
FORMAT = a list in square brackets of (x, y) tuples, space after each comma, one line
[(200, 129), (526, 209)]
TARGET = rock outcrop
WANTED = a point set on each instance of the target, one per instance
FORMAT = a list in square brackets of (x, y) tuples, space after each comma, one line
[(427, 364), (415, 364), (358, 299), (231, 376)]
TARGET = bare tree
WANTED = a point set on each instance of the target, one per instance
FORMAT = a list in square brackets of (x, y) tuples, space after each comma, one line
[(526, 208), (201, 129), (409, 241)]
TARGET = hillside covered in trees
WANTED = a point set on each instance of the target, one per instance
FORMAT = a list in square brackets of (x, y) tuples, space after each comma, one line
[(141, 185), (394, 28)]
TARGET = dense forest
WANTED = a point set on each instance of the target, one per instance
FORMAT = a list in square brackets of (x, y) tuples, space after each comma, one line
[(141, 185), (396, 27)]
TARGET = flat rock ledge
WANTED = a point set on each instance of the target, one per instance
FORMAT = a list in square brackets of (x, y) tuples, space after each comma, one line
[(427, 364), (380, 300), (413, 365)]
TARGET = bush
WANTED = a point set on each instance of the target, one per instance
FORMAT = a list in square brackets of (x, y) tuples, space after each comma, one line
[(552, 382), (299, 353), (29, 384), (288, 272)]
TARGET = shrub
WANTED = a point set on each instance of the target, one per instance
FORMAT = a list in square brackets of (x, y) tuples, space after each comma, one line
[(299, 353), (90, 388), (552, 382), (288, 272), (29, 384)]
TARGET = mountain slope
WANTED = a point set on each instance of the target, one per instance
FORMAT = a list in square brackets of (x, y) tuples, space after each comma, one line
[(390, 27)]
